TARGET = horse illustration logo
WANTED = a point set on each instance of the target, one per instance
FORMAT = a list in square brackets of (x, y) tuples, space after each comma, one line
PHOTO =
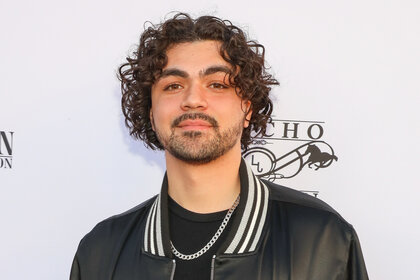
[(267, 165), (318, 158)]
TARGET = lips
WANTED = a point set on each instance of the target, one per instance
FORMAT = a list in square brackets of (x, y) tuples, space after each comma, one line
[(194, 124), (194, 121)]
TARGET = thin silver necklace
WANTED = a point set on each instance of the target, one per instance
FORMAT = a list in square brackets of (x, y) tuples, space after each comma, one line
[(212, 240)]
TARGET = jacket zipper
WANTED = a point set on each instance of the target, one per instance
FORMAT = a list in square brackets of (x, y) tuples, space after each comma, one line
[(173, 270), (212, 267)]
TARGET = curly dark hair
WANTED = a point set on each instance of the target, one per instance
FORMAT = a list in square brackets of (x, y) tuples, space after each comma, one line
[(141, 70)]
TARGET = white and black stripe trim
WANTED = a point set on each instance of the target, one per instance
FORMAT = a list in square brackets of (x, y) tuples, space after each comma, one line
[(245, 233), (246, 214), (253, 218), (153, 234), (262, 217), (148, 227), (253, 221), (159, 228)]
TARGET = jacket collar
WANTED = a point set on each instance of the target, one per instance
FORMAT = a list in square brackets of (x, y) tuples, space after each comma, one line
[(248, 221)]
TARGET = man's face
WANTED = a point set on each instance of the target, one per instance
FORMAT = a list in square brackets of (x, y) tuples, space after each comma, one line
[(196, 113)]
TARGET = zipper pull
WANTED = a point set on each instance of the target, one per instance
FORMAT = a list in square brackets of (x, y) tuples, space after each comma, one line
[(212, 267), (173, 269)]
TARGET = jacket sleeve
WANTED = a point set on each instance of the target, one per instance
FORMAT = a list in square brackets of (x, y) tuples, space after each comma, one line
[(75, 270), (356, 269)]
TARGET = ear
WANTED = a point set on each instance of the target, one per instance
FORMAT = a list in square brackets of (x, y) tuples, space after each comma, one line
[(152, 122), (248, 112)]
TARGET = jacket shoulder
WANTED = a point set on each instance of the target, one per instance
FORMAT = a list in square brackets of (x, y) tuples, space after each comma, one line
[(119, 220), (327, 237), (282, 194), (307, 213), (136, 209), (109, 233)]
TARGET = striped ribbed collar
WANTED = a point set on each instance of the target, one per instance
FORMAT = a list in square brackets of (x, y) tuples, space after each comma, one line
[(245, 232)]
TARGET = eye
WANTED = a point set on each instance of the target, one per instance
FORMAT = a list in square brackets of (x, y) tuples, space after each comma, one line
[(172, 87), (218, 86)]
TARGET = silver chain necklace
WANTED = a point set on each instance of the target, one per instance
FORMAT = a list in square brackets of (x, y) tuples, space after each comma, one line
[(212, 240)]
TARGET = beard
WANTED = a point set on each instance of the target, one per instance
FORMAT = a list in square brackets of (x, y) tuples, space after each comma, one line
[(198, 147)]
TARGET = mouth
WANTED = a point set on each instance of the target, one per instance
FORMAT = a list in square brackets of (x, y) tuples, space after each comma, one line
[(194, 125), (194, 121)]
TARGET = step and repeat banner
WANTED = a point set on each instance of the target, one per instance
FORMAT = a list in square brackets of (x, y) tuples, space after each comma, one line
[(345, 123)]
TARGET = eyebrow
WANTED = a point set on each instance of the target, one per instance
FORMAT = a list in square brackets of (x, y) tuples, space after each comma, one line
[(208, 71), (215, 69), (173, 72)]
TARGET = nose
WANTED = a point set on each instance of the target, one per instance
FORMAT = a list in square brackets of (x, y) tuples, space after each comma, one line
[(194, 98)]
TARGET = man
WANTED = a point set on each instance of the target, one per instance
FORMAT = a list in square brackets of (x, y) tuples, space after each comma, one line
[(197, 88)]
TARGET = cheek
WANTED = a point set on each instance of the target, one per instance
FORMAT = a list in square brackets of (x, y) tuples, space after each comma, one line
[(155, 119), (161, 115)]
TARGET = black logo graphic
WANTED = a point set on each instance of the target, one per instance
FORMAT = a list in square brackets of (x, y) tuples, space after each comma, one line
[(314, 153), (268, 166), (6, 149)]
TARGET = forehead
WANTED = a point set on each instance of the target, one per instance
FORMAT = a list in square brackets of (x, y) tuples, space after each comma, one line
[(194, 55)]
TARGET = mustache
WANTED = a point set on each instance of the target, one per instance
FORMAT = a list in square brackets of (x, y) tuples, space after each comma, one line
[(194, 116)]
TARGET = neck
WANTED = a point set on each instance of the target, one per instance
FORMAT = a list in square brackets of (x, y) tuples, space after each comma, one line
[(205, 188)]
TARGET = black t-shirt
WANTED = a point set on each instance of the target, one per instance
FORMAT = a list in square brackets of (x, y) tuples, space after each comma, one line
[(189, 233)]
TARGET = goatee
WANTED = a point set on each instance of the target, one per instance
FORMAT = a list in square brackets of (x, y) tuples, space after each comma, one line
[(198, 147)]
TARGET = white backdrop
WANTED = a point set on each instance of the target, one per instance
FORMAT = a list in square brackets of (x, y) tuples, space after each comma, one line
[(351, 64)]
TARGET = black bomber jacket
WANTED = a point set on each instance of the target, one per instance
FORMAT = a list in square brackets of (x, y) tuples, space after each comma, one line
[(277, 234)]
